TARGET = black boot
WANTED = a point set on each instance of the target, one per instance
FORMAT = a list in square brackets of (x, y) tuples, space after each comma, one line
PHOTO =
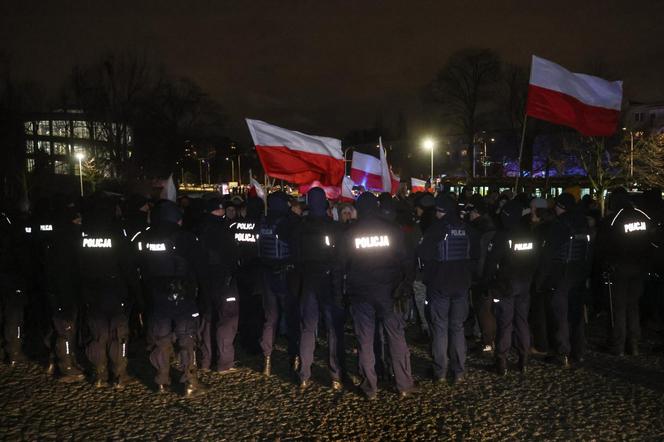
[(101, 378), (633, 347), (71, 374), (195, 389), (523, 363), (267, 366), (501, 366)]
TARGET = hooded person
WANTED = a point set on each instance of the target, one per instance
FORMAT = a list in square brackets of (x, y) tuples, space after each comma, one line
[(317, 265), (445, 255), (275, 244), (173, 268), (376, 262), (508, 275)]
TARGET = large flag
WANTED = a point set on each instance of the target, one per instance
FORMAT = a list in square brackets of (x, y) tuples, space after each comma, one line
[(417, 185), (588, 104), (333, 193), (296, 157)]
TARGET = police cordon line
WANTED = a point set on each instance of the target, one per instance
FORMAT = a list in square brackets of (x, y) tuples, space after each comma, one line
[(520, 275)]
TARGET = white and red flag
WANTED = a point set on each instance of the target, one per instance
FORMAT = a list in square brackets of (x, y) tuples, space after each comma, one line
[(417, 185), (333, 193), (373, 173), (296, 157), (588, 104)]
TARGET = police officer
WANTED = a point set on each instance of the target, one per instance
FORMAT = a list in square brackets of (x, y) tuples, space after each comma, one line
[(222, 259), (375, 261), (625, 242), (245, 233), (510, 266), (173, 270), (64, 292), (14, 283), (445, 254), (565, 265), (317, 262), (275, 239), (109, 282)]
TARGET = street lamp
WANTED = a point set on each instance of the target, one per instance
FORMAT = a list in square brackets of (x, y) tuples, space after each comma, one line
[(631, 154), (79, 157), (428, 143)]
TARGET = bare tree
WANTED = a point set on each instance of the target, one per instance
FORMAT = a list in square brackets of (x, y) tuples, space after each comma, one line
[(645, 158), (464, 89)]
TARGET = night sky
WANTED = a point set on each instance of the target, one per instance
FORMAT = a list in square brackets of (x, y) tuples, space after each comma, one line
[(326, 67)]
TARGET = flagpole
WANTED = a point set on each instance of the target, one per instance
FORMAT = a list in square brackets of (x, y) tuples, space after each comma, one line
[(523, 138)]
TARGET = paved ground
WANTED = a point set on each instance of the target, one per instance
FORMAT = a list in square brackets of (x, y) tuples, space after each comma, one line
[(607, 399)]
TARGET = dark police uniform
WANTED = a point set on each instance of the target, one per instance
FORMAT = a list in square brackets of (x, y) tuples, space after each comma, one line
[(109, 282), (317, 261), (565, 265), (445, 254), (375, 260), (222, 295), (173, 271), (245, 232), (626, 249), (274, 247), (14, 278), (510, 267)]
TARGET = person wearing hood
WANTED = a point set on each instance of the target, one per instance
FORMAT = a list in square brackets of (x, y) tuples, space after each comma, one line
[(221, 295), (445, 254), (375, 260), (279, 298), (109, 284), (625, 245), (564, 266), (173, 269), (510, 266), (315, 244), (245, 233)]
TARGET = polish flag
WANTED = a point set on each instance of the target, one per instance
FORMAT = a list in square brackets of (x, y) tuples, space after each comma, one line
[(588, 104), (333, 193), (417, 185), (296, 157), (373, 173), (390, 182)]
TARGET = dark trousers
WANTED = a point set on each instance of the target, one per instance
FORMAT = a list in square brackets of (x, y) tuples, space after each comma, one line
[(109, 334), (279, 300), (627, 289), (512, 319), (447, 313), (169, 323), (567, 313), (541, 321), (227, 305), (12, 306), (366, 310), (64, 337), (317, 297), (486, 319), (250, 323)]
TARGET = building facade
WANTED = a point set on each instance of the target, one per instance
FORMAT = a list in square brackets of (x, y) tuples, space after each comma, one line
[(55, 140)]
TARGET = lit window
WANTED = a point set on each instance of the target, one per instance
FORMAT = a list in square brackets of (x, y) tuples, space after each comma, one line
[(101, 132), (30, 164), (60, 149), (29, 127), (30, 146), (81, 129), (61, 128), (61, 167), (44, 128), (44, 146)]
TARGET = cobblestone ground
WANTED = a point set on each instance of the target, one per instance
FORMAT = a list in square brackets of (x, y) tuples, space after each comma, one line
[(608, 398)]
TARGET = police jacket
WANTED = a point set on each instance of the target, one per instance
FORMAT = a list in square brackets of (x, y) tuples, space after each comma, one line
[(245, 234), (107, 269), (15, 256), (373, 254), (625, 241), (512, 259), (482, 231), (315, 244), (221, 250), (275, 239), (172, 264), (566, 250), (445, 253)]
